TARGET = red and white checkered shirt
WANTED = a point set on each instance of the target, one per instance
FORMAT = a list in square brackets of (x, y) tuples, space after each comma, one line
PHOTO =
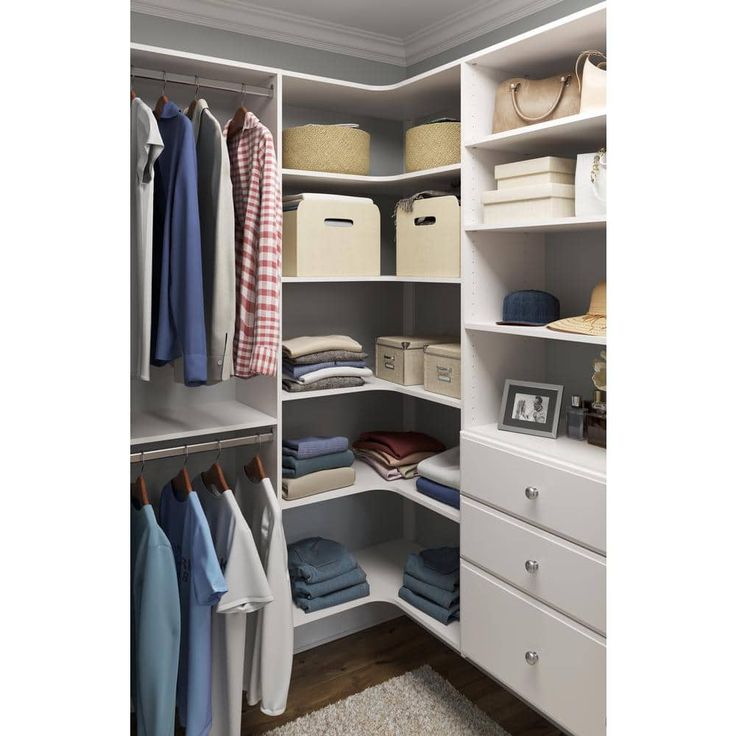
[(257, 194)]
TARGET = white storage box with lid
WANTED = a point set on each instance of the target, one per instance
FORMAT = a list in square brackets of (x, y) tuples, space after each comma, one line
[(400, 358), (442, 369), (524, 205), (544, 170), (431, 145), (338, 149), (332, 238), (428, 238)]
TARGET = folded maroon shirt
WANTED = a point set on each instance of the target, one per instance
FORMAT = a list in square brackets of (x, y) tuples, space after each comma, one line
[(398, 444)]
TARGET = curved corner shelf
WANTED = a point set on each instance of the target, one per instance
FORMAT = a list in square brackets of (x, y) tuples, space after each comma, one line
[(559, 225), (384, 567), (539, 332)]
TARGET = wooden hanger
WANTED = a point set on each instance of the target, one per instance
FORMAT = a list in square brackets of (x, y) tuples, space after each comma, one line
[(214, 476), (161, 100), (255, 471), (138, 488), (193, 103), (182, 484), (238, 119), (132, 91)]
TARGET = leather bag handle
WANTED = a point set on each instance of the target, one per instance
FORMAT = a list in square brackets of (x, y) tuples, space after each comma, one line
[(514, 88), (585, 55)]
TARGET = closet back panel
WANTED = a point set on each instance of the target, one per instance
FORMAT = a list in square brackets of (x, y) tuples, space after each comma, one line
[(433, 530), (436, 309)]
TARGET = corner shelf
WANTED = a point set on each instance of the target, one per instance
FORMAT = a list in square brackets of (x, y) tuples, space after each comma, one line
[(384, 567), (539, 332), (560, 225), (368, 279)]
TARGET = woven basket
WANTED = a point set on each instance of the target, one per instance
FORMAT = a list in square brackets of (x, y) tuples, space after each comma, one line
[(334, 148), (431, 145)]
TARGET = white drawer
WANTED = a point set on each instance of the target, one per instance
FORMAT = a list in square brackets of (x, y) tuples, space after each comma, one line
[(502, 630), (563, 575), (563, 502)]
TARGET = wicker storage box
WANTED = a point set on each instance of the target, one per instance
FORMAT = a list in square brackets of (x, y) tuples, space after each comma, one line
[(332, 238), (431, 145), (428, 238), (522, 205), (400, 359), (545, 170), (442, 369), (334, 148)]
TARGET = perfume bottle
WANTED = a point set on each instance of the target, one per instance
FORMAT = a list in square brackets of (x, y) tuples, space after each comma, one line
[(595, 421), (576, 413)]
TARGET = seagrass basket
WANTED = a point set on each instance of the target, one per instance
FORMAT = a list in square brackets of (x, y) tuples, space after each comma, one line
[(431, 145), (334, 148)]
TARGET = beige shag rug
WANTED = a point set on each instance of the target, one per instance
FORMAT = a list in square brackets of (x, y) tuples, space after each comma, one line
[(418, 703)]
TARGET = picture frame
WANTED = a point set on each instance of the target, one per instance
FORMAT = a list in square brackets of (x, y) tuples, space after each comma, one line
[(531, 408)]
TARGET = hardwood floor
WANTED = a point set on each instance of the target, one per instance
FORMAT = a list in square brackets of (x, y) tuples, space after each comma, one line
[(341, 668)]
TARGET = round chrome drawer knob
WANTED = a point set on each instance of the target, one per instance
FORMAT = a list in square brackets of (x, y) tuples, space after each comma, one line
[(531, 657), (531, 565), (531, 492)]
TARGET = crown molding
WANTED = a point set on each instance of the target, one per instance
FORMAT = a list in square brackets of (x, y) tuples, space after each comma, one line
[(238, 16)]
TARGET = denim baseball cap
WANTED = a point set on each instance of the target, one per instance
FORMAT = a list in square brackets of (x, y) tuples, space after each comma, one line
[(530, 308)]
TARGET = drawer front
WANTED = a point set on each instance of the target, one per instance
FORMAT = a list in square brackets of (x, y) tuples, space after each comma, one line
[(562, 502), (562, 575), (549, 661)]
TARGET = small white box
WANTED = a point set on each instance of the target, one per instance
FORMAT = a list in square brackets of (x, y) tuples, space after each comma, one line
[(544, 170), (521, 205)]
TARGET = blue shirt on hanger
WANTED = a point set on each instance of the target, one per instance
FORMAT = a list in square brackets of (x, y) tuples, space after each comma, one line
[(201, 585), (177, 314)]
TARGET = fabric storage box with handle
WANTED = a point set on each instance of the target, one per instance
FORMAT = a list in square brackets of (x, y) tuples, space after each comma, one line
[(522, 205), (442, 369), (400, 358), (544, 170), (431, 145), (332, 238), (337, 149), (428, 238), (590, 184)]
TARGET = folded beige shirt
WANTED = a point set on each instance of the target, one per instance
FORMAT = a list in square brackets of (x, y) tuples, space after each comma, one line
[(319, 482), (298, 346), (391, 462)]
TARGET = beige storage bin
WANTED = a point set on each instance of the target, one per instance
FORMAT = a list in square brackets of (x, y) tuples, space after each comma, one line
[(442, 369), (524, 205), (400, 359), (544, 170), (431, 249), (337, 149), (431, 145), (332, 238)]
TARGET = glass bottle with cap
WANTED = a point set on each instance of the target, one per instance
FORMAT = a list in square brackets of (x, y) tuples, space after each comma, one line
[(595, 421), (576, 413)]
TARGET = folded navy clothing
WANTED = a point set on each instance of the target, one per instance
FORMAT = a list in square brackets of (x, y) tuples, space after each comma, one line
[(333, 599), (302, 589), (419, 569), (294, 468), (443, 615), (444, 494), (314, 446), (316, 559), (444, 560), (294, 371), (440, 596)]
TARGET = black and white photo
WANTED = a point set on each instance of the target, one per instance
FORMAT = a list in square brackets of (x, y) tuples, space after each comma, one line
[(531, 408)]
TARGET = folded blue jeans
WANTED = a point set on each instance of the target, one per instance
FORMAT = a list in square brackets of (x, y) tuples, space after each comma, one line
[(443, 615), (440, 596), (417, 568), (295, 468), (315, 559), (443, 494), (333, 599), (302, 589), (314, 446)]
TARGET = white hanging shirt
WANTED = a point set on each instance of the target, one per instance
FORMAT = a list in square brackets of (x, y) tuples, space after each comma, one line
[(247, 590), (270, 637), (145, 147)]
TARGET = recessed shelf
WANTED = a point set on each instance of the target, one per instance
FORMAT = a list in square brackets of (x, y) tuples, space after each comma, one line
[(560, 225), (306, 181), (571, 134), (384, 568), (194, 420), (367, 480), (375, 384), (540, 332), (368, 279)]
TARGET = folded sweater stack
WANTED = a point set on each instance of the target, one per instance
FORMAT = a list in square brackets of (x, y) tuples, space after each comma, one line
[(311, 363), (312, 465), (324, 574), (395, 455), (432, 583), (439, 477)]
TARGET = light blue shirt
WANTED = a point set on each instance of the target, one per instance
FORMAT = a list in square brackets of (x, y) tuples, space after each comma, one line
[(155, 624), (201, 585)]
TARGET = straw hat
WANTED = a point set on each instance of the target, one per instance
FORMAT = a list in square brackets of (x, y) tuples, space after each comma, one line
[(592, 323)]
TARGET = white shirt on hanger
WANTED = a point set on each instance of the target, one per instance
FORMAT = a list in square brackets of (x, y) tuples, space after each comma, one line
[(247, 591)]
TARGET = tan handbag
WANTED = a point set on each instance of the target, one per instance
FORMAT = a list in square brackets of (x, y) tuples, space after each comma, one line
[(592, 86), (522, 102)]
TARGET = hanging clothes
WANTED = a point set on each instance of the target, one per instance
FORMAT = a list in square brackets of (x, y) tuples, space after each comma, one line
[(155, 624), (257, 192), (269, 647), (145, 147), (201, 585), (247, 591), (178, 327)]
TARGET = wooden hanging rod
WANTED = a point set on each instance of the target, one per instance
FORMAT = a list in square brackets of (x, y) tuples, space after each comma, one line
[(211, 446), (193, 80)]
